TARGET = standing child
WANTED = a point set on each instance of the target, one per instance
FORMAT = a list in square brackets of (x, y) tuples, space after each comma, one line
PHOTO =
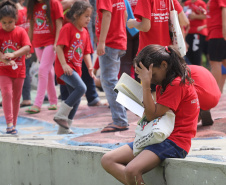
[(72, 47), (45, 18), (164, 67), (111, 34), (22, 22), (14, 44)]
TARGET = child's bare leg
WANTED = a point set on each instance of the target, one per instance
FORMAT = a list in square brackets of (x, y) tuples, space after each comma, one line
[(115, 161), (141, 164)]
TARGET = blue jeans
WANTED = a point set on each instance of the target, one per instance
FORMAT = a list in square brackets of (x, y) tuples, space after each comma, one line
[(91, 93), (76, 89), (109, 65)]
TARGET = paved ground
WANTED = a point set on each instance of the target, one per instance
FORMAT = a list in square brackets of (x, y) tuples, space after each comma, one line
[(209, 144)]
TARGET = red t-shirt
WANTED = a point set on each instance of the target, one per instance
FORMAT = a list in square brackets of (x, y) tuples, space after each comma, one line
[(116, 37), (214, 18), (96, 64), (183, 101), (206, 87), (158, 13), (133, 4), (22, 19), (23, 22), (76, 44), (10, 42), (195, 23), (43, 34)]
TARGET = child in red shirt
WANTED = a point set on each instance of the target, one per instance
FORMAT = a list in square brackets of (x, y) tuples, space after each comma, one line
[(22, 22), (72, 47), (152, 21), (216, 25), (14, 43), (196, 12), (46, 17), (111, 34), (207, 90), (164, 67)]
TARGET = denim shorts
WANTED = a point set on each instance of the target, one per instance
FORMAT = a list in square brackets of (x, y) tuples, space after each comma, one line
[(165, 149)]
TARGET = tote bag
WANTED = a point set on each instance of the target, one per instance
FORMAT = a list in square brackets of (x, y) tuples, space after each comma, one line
[(175, 29), (34, 74), (153, 132)]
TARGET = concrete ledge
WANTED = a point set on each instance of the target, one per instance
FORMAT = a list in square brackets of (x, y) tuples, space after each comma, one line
[(24, 163)]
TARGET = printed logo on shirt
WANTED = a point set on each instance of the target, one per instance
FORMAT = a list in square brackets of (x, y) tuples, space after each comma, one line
[(75, 53), (160, 17), (10, 47), (196, 101), (119, 6), (77, 36), (44, 7), (41, 26), (24, 23), (132, 2), (162, 4)]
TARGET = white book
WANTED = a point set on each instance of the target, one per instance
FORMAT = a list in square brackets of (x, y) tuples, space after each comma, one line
[(130, 94)]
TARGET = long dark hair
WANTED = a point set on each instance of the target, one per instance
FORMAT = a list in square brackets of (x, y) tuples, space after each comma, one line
[(8, 9), (78, 8), (30, 12), (176, 65)]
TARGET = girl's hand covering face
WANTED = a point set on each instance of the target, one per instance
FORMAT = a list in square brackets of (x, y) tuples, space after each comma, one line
[(144, 74)]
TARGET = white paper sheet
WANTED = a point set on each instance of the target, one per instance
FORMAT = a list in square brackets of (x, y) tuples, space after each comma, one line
[(130, 104)]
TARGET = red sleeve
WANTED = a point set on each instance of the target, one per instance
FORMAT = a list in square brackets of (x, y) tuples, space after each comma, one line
[(57, 9), (222, 3), (143, 9), (177, 6), (64, 39), (105, 5), (171, 97)]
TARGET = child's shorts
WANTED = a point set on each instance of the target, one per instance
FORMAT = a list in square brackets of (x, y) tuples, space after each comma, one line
[(216, 49), (165, 149)]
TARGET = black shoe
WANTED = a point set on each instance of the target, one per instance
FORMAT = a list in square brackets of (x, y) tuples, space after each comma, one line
[(206, 117)]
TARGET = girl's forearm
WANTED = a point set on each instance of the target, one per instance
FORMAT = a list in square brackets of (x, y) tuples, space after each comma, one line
[(22, 51), (144, 25), (88, 61), (59, 23), (60, 55), (149, 104)]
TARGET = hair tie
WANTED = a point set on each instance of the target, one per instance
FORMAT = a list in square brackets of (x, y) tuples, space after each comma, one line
[(167, 49)]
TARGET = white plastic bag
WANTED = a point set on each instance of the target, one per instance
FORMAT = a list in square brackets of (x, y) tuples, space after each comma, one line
[(34, 74), (155, 131), (175, 29)]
